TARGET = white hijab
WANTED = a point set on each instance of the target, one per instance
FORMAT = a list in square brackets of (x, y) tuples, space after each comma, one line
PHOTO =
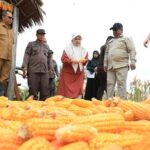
[(75, 53)]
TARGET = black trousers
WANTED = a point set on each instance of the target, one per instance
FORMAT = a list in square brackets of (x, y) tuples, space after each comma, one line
[(91, 88), (102, 85)]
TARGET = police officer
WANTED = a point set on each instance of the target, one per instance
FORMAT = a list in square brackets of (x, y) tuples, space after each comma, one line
[(36, 66)]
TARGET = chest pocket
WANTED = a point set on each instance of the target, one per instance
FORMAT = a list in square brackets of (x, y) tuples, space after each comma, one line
[(3, 37), (35, 50), (121, 44), (3, 32), (45, 52)]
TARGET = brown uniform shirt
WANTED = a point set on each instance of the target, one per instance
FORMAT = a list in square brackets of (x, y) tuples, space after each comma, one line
[(6, 42), (119, 51), (36, 57)]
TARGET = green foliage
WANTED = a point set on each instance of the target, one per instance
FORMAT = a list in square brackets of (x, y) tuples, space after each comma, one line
[(139, 90)]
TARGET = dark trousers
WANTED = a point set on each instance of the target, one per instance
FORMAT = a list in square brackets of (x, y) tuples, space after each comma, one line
[(5, 67), (102, 85), (91, 88), (39, 84), (52, 86)]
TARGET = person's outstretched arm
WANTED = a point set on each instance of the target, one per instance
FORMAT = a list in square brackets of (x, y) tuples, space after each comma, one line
[(146, 41)]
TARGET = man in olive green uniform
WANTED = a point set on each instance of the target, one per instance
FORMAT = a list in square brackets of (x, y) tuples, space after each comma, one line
[(36, 66), (119, 57), (6, 43)]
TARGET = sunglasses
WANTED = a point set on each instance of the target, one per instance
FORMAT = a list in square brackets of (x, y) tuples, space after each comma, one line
[(10, 17)]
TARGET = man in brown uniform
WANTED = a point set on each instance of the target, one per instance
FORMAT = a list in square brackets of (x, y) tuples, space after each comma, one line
[(53, 72), (119, 56), (102, 75), (6, 43), (36, 66)]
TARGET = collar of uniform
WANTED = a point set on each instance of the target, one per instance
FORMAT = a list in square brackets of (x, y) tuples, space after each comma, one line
[(121, 35), (4, 25), (38, 42)]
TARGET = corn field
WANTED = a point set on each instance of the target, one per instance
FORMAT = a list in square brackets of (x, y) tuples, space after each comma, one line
[(139, 90)]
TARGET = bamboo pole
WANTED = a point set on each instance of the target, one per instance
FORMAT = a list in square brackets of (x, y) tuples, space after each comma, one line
[(10, 90)]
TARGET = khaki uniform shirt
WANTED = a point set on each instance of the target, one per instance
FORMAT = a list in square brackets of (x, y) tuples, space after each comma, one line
[(36, 57), (119, 51), (6, 42)]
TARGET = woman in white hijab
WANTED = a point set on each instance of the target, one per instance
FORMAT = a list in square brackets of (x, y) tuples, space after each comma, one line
[(74, 59)]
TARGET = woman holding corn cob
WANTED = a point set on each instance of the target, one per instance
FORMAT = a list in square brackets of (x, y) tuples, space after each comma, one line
[(74, 58)]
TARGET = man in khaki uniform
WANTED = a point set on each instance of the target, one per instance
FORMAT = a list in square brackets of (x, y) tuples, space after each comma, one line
[(119, 57), (6, 43)]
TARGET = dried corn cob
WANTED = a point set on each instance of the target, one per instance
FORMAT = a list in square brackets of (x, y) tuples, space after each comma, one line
[(11, 113), (75, 146), (73, 133), (3, 103), (9, 139), (123, 140), (61, 112), (96, 101), (65, 119), (64, 103), (43, 127), (141, 126), (55, 98), (129, 115), (112, 147), (143, 145), (95, 109), (37, 143), (3, 98), (9, 146), (110, 122), (140, 110), (102, 108), (116, 110), (55, 112), (82, 103), (79, 111), (19, 114), (147, 101)]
